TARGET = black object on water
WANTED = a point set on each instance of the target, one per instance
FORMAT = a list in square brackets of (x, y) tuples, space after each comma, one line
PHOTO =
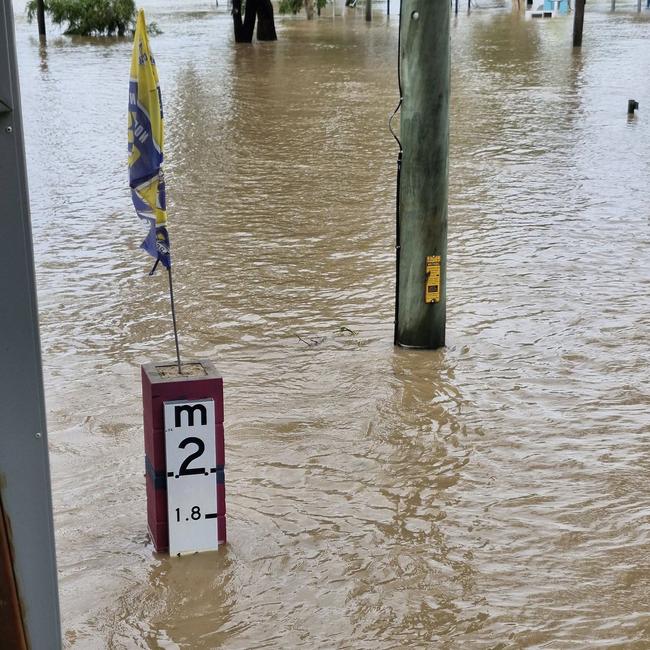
[(632, 105)]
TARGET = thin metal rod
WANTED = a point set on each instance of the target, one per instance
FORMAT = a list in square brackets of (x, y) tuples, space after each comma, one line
[(171, 297)]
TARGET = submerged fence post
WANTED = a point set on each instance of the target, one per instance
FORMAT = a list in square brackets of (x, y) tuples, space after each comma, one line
[(27, 527), (424, 61), (578, 22)]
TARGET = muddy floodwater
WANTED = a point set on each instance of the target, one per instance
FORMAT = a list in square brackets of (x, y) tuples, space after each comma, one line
[(493, 494)]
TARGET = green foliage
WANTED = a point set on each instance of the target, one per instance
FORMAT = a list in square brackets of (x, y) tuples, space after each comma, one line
[(290, 6), (89, 17), (294, 6)]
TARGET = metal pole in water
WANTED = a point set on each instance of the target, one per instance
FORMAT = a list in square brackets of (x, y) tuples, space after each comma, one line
[(29, 599), (424, 60), (368, 10), (613, 5), (578, 23)]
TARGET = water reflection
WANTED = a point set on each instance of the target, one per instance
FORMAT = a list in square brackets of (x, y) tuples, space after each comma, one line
[(201, 586), (421, 577), (42, 53)]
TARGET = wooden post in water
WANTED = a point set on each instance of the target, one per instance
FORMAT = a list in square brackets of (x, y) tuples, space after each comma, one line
[(368, 10), (12, 630), (578, 22), (613, 5), (40, 17), (424, 60)]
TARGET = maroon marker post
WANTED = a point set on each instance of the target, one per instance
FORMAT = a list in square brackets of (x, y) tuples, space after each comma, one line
[(200, 383)]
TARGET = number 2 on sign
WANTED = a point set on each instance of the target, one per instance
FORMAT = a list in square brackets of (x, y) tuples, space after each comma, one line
[(185, 469)]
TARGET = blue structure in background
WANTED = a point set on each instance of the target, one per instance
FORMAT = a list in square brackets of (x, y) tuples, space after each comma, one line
[(561, 6)]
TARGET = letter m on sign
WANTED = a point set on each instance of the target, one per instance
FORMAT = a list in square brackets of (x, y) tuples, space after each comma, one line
[(190, 410)]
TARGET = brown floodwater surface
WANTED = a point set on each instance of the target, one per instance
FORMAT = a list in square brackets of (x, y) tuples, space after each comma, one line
[(493, 494)]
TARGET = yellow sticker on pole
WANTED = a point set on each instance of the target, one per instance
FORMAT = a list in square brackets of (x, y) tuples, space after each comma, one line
[(432, 286)]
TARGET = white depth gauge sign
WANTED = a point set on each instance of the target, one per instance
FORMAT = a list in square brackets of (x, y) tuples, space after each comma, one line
[(191, 454)]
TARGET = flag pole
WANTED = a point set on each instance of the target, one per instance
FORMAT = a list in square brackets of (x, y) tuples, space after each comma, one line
[(171, 297)]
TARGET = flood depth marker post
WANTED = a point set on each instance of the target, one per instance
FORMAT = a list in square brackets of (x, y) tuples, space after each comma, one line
[(424, 61), (184, 456)]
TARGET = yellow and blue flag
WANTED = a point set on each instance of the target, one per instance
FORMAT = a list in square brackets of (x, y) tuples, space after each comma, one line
[(146, 146)]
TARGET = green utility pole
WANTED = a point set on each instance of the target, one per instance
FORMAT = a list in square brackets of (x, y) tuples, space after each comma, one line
[(578, 23), (424, 61)]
